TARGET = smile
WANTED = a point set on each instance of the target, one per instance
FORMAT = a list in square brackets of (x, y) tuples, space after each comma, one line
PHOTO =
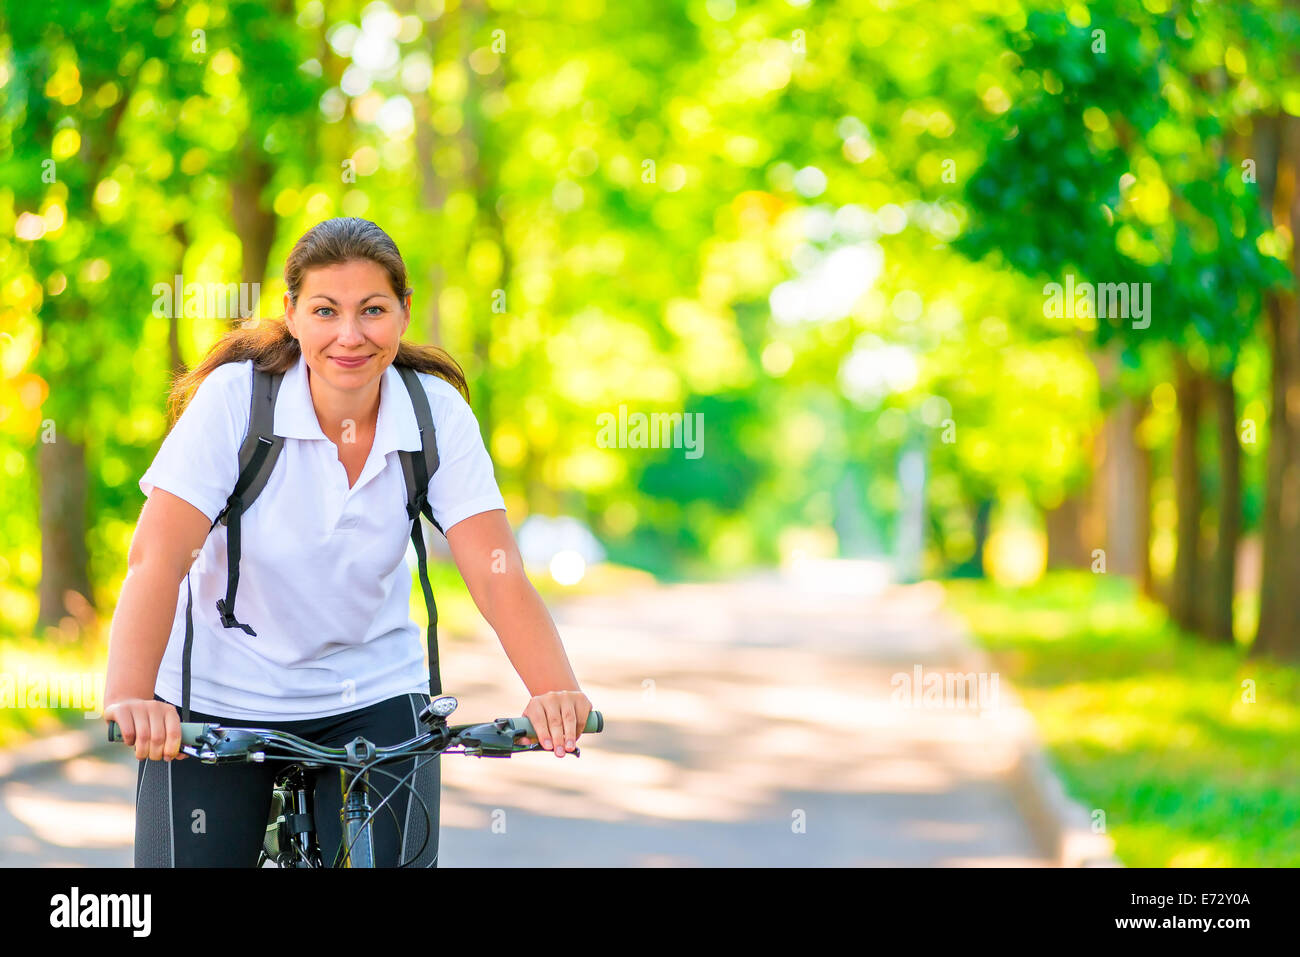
[(351, 363)]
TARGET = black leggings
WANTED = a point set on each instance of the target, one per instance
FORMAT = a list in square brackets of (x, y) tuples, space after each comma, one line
[(191, 814)]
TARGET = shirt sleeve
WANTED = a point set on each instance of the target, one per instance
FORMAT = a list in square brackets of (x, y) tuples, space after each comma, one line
[(464, 483), (199, 458)]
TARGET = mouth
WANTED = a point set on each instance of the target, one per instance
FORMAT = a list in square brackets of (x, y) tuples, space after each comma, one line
[(351, 362)]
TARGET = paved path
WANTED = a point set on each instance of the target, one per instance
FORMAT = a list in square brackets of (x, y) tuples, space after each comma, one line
[(750, 724)]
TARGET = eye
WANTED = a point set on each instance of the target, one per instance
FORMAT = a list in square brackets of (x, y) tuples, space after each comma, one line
[(380, 308), (318, 310)]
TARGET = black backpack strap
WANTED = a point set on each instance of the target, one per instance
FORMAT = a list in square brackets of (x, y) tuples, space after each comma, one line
[(257, 456), (189, 642), (261, 431), (417, 467), (429, 447), (256, 460)]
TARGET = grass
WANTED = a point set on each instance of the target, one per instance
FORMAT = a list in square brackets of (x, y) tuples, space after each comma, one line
[(1153, 727), (28, 667)]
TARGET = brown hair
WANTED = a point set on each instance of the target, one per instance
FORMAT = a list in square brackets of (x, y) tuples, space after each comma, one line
[(271, 345)]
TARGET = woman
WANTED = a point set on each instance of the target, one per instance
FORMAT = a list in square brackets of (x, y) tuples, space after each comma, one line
[(323, 577)]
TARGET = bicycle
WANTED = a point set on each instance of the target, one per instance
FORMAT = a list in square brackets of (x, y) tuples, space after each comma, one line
[(291, 834)]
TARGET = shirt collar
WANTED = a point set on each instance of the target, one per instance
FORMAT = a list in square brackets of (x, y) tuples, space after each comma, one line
[(395, 428)]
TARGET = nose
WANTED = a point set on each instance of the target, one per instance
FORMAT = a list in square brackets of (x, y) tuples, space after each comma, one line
[(350, 334)]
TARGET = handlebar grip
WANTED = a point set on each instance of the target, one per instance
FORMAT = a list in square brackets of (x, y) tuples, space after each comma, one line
[(191, 731), (595, 724)]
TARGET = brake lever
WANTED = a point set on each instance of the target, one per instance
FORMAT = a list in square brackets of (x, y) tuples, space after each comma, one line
[(210, 749)]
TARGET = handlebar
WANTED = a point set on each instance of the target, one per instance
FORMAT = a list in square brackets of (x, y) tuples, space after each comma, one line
[(192, 732)]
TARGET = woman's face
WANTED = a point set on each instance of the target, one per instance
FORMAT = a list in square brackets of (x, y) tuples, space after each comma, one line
[(347, 311)]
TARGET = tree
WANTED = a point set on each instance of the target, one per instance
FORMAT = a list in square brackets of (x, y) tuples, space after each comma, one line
[(80, 66)]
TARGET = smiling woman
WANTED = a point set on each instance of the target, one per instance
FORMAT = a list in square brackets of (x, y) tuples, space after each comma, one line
[(322, 544)]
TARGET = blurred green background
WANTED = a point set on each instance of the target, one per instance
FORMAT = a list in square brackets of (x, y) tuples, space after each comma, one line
[(827, 228)]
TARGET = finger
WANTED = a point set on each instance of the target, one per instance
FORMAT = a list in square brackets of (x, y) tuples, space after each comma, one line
[(142, 735), (569, 711), (555, 719), (584, 712), (157, 737), (541, 725), (126, 724), (173, 726), (534, 719)]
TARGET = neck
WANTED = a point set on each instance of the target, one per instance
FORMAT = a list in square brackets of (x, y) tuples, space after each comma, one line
[(335, 408)]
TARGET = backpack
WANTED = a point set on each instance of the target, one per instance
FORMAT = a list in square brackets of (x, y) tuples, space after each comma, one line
[(257, 456)]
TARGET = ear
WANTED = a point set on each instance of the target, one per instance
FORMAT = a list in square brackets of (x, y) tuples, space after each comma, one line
[(288, 315)]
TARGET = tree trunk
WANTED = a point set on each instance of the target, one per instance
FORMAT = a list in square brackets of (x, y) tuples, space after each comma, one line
[(1123, 495), (433, 193), (481, 156), (253, 215), (1121, 485), (973, 567), (254, 219), (1065, 545), (1187, 491), (1278, 607), (65, 588), (1142, 495), (1221, 587), (1277, 145), (175, 361)]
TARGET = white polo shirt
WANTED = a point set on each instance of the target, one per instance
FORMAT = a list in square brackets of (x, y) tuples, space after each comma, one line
[(323, 575)]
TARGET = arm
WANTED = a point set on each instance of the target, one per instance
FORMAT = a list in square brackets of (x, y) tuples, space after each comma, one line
[(485, 551), (169, 532)]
